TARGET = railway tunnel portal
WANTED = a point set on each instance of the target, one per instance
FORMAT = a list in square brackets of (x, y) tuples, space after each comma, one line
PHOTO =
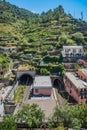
[(25, 77)]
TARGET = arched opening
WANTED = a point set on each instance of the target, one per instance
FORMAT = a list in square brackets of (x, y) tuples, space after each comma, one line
[(26, 79), (57, 84)]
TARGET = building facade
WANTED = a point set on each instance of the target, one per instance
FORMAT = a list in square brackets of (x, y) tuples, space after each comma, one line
[(42, 86), (82, 73), (76, 87), (72, 51)]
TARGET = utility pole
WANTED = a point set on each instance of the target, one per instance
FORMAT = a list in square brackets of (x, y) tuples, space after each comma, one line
[(74, 13), (81, 15)]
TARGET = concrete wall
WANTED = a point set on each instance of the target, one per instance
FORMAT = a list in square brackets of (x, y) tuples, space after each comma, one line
[(11, 93), (9, 108)]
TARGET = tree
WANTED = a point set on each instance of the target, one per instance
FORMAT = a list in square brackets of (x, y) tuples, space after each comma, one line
[(58, 12), (64, 117), (8, 123), (51, 59), (49, 15), (44, 17), (60, 58), (58, 45), (79, 112), (44, 71), (70, 42), (63, 38), (60, 128), (32, 115), (78, 37), (60, 9)]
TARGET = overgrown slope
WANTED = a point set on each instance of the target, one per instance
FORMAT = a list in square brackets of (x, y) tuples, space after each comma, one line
[(39, 38)]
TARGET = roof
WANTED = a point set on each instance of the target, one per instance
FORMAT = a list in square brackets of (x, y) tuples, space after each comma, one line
[(42, 82), (77, 47), (76, 80), (84, 71)]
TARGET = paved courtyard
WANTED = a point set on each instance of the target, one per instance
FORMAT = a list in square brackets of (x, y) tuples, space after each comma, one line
[(47, 105)]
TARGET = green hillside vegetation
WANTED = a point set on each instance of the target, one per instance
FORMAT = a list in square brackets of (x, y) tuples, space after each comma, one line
[(38, 35), (4, 61), (61, 119)]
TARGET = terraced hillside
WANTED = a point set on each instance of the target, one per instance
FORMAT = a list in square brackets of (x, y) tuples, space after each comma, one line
[(39, 38)]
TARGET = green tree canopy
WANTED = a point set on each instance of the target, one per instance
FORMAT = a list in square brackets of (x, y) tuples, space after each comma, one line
[(32, 115), (78, 36), (63, 117), (44, 71), (8, 123)]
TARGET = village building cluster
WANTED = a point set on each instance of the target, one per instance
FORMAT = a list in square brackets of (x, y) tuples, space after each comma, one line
[(43, 90)]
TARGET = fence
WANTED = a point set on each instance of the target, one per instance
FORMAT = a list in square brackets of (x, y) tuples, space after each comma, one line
[(11, 92)]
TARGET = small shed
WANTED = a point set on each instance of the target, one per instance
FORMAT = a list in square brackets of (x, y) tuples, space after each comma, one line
[(42, 86)]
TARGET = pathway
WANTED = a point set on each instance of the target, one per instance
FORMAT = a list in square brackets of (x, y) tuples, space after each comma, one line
[(59, 99), (26, 93)]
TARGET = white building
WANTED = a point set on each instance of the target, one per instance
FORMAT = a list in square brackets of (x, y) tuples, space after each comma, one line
[(72, 51)]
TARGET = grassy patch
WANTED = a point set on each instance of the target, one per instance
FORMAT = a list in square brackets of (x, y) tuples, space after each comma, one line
[(18, 95)]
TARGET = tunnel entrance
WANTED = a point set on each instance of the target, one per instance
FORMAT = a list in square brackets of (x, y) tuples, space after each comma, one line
[(57, 84), (26, 79)]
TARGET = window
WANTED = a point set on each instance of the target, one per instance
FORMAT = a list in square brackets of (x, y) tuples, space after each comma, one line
[(85, 80), (80, 50), (74, 50), (36, 90), (85, 96), (81, 90), (70, 91), (81, 97), (71, 85)]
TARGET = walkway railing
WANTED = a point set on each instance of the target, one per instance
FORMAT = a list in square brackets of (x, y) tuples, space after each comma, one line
[(10, 95)]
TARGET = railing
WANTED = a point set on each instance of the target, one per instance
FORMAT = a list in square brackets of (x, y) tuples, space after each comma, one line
[(11, 92)]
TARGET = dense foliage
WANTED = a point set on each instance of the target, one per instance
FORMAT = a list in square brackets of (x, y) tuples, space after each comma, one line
[(54, 26), (32, 115), (4, 62), (39, 37), (10, 13), (8, 123), (63, 117), (69, 117)]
